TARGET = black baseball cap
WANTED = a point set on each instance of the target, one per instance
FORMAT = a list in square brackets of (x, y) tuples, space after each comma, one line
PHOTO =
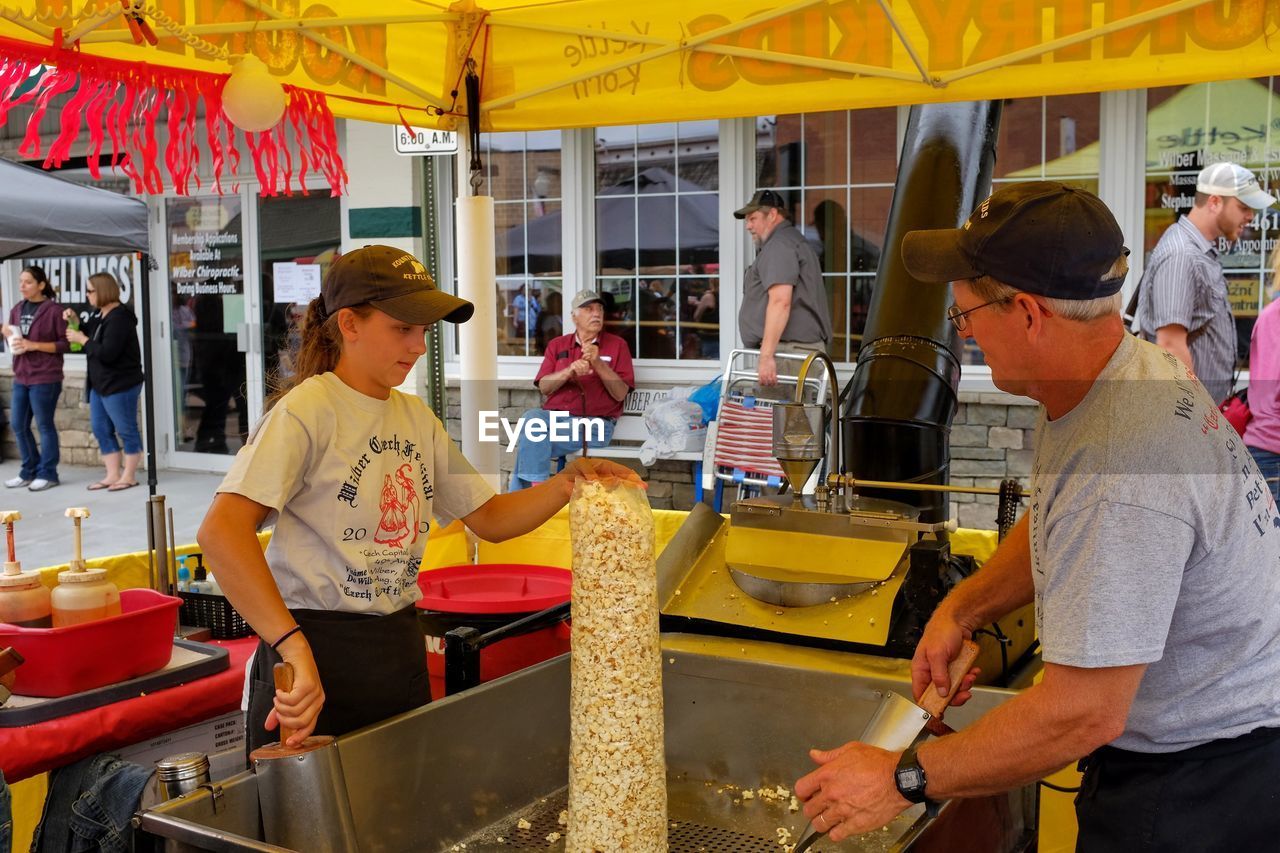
[(761, 199), (393, 281), (1042, 237)]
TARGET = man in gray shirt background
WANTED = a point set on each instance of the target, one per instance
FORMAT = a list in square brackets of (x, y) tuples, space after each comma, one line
[(784, 303), (1182, 299)]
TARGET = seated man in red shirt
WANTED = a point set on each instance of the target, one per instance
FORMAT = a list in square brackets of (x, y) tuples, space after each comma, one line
[(584, 377)]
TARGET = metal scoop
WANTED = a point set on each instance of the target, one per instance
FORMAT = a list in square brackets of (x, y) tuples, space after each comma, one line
[(301, 790), (899, 723)]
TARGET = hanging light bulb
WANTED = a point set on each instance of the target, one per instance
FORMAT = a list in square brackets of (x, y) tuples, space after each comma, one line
[(251, 98)]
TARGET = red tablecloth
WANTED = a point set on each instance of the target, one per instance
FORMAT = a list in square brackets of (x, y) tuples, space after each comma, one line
[(28, 750)]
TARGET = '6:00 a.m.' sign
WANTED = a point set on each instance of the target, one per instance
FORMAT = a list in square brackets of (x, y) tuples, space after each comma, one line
[(416, 141)]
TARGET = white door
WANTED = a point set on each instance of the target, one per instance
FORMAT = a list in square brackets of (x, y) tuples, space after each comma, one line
[(207, 292)]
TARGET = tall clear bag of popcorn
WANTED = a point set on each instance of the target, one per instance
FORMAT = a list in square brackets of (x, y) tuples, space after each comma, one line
[(617, 765)]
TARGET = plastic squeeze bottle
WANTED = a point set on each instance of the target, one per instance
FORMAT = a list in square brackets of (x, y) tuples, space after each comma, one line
[(24, 600)]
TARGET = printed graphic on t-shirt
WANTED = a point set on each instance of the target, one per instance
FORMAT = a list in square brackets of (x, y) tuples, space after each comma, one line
[(27, 316), (393, 525), (400, 509), (1211, 424)]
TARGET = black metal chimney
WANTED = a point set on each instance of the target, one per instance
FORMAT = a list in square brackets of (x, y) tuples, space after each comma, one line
[(899, 404)]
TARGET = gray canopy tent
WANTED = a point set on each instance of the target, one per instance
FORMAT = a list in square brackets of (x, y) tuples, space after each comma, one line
[(43, 215)]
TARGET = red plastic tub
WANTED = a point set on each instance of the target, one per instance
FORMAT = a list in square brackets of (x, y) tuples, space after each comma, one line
[(62, 661), (487, 597)]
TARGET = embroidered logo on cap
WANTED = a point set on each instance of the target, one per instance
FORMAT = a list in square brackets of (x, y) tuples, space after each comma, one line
[(419, 271)]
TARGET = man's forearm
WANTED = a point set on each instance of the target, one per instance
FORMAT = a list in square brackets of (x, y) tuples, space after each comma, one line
[(613, 383), (1174, 340), (551, 383), (1002, 585), (1025, 739)]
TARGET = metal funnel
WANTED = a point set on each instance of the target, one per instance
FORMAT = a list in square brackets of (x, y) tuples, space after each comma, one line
[(797, 440)]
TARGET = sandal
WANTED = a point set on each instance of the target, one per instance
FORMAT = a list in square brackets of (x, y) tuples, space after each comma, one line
[(99, 486), (120, 487)]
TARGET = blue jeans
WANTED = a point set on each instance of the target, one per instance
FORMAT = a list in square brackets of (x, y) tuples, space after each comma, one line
[(533, 458), (114, 415), (41, 401), (1269, 465)]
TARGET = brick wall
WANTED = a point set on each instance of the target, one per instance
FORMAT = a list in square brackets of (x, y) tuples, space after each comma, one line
[(75, 440), (991, 440)]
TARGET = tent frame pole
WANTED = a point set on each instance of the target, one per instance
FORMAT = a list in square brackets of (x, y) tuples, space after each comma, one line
[(148, 360), (283, 24)]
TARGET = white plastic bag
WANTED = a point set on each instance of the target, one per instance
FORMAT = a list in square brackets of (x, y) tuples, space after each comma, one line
[(669, 423)]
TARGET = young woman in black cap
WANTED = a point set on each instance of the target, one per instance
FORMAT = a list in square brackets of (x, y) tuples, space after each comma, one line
[(353, 472)]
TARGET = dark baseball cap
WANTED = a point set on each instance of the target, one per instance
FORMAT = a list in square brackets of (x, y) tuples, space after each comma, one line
[(393, 281), (1042, 237), (761, 199)]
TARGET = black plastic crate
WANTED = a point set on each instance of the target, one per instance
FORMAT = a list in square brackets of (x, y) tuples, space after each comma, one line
[(203, 610)]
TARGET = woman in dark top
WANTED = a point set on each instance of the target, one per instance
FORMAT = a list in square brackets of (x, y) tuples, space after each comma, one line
[(110, 342), (36, 336)]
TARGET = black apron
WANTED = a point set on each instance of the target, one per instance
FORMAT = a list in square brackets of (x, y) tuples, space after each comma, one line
[(1220, 796), (371, 667)]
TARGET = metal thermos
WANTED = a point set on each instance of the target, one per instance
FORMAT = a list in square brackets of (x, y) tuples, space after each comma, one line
[(181, 774)]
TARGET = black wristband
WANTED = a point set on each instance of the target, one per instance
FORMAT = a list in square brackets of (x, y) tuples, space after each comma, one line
[(286, 635)]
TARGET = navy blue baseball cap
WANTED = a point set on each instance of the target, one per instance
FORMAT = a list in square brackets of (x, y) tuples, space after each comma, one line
[(1042, 237)]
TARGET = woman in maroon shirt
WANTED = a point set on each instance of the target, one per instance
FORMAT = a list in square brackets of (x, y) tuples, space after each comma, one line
[(36, 334)]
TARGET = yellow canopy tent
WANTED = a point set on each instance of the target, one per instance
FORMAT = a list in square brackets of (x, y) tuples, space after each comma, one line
[(578, 63)]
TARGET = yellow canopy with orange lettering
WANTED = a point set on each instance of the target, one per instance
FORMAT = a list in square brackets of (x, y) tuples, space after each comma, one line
[(578, 63)]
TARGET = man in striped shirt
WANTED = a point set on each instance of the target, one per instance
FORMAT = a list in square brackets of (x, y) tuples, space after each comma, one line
[(1182, 302)]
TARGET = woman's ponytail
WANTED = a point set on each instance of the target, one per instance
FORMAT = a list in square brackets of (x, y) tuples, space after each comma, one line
[(318, 350)]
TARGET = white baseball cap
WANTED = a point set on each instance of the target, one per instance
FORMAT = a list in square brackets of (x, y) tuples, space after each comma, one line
[(1229, 179)]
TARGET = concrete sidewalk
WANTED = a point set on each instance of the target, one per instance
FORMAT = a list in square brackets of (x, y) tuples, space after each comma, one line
[(117, 521)]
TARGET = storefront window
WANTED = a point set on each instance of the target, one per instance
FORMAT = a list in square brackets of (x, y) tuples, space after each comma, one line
[(207, 293), (837, 169), (298, 237), (1189, 127), (522, 172), (658, 237)]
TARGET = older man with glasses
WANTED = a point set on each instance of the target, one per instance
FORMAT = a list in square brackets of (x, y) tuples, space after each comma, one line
[(784, 303), (1149, 549)]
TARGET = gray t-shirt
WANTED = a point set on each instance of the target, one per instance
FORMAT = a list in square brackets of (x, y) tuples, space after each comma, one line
[(1154, 540), (356, 482), (786, 258)]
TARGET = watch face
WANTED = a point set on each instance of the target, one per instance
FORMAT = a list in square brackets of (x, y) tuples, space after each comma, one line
[(911, 777), (911, 783)]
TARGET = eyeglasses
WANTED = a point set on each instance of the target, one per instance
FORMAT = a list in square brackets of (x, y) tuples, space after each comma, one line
[(957, 317)]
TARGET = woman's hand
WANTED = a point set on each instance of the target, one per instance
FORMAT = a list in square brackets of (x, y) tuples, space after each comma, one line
[(68, 314), (590, 468), (300, 707), (76, 336)]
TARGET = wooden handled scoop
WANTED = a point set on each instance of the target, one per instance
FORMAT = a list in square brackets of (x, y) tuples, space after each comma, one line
[(303, 801), (898, 722), (282, 673)]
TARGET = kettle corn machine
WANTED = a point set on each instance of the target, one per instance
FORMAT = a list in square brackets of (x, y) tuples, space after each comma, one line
[(784, 626)]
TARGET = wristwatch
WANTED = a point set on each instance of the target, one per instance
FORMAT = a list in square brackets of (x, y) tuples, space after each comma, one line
[(910, 778)]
